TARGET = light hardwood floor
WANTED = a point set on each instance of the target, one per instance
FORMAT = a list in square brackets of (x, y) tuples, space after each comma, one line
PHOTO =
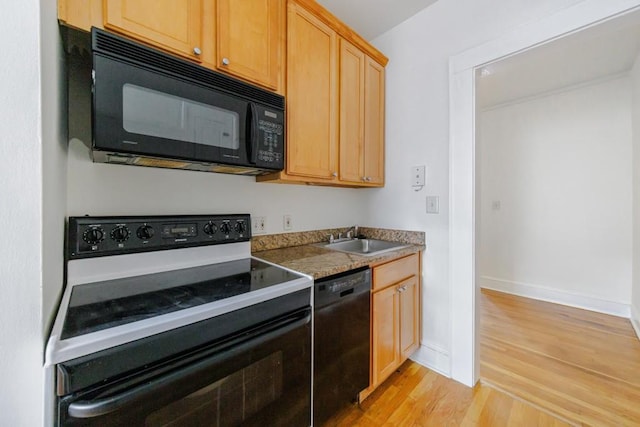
[(416, 396), (541, 365), (580, 365)]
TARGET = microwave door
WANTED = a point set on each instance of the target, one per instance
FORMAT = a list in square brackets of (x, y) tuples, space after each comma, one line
[(145, 112)]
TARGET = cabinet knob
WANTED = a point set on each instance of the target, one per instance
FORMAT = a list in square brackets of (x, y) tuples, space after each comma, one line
[(197, 51), (225, 61), (367, 178), (334, 174)]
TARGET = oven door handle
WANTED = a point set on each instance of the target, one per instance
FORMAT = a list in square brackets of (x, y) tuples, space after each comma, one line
[(107, 405)]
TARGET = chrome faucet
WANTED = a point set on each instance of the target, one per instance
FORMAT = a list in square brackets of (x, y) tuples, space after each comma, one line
[(353, 235)]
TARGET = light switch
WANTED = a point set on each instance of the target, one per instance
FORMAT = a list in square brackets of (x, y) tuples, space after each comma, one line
[(287, 222), (417, 176)]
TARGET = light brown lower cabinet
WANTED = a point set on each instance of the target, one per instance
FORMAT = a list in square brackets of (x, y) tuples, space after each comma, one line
[(395, 317)]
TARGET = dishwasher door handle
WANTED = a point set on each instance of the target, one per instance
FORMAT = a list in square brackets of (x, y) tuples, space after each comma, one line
[(345, 293)]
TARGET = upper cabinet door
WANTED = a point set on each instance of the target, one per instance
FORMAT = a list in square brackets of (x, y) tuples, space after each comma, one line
[(250, 40), (312, 107), (361, 117), (374, 122), (352, 61), (171, 24)]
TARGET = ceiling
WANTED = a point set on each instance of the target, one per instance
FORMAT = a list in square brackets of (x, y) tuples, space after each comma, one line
[(606, 49), (371, 18)]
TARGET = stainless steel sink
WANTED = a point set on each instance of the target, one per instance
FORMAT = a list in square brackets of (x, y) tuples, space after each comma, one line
[(366, 247)]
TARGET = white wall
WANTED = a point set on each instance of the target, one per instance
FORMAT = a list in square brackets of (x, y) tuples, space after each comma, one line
[(417, 132), (559, 166), (105, 189), (54, 154), (635, 297), (21, 338)]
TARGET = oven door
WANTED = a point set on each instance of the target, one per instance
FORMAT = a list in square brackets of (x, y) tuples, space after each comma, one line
[(259, 377), (139, 110)]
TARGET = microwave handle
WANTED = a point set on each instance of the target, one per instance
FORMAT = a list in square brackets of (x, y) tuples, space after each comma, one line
[(253, 133)]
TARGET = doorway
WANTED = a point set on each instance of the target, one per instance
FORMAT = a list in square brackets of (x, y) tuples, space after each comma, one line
[(463, 221)]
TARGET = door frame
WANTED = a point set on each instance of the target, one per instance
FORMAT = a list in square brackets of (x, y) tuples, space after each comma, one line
[(465, 360)]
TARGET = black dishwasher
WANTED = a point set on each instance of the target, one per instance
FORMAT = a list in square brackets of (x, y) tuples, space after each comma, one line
[(342, 316)]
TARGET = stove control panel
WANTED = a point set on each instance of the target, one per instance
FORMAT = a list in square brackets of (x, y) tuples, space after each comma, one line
[(99, 236)]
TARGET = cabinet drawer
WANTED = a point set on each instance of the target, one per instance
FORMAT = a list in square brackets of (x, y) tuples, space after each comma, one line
[(395, 271)]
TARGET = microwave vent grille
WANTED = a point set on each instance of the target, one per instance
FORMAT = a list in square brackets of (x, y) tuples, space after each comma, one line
[(111, 45)]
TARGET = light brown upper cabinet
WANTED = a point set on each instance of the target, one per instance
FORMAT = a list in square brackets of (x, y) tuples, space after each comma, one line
[(361, 117), (250, 40), (243, 38), (335, 102)]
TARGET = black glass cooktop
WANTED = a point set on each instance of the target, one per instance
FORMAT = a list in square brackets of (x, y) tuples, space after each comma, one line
[(102, 305)]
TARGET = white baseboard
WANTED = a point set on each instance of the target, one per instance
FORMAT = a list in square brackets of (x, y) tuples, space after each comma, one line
[(635, 320), (434, 358), (555, 296)]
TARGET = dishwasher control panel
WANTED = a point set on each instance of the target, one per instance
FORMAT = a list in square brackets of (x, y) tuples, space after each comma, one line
[(331, 289)]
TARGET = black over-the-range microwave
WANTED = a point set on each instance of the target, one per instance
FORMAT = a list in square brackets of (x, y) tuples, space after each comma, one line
[(153, 109)]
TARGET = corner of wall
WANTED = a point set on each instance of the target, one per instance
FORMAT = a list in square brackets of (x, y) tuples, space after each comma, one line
[(635, 320), (434, 358)]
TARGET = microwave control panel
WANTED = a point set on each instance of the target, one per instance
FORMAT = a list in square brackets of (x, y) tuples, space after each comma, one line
[(269, 151), (99, 236)]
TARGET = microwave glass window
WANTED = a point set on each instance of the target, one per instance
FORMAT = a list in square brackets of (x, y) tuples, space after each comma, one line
[(149, 112)]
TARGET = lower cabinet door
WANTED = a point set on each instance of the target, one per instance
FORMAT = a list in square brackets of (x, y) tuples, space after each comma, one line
[(386, 333), (409, 295)]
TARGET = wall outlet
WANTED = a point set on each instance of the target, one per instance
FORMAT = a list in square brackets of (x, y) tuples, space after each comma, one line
[(287, 222), (433, 204), (417, 176), (259, 225)]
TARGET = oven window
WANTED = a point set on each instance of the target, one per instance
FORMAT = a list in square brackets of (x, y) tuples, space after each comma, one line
[(149, 112), (229, 401)]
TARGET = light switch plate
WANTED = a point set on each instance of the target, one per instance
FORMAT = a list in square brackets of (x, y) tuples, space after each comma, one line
[(287, 222), (433, 204)]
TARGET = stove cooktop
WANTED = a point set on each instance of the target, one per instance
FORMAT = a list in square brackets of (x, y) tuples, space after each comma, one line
[(106, 304), (132, 277)]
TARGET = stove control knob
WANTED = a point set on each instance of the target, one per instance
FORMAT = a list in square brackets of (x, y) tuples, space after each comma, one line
[(120, 233), (145, 232), (240, 227), (225, 228), (93, 235), (210, 228)]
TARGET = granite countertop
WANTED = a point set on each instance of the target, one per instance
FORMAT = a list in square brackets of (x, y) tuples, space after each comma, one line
[(309, 258)]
